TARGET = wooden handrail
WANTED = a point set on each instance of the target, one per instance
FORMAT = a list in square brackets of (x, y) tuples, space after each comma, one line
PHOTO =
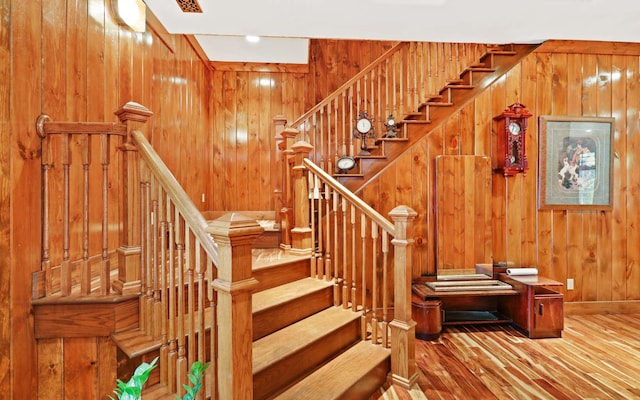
[(192, 216), (384, 223), (350, 82)]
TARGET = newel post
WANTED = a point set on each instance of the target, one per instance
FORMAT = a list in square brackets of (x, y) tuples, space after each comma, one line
[(301, 232), (133, 115), (403, 328), (234, 234)]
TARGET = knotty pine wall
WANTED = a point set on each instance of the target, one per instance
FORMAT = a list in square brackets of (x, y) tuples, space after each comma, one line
[(244, 104), (599, 250), (71, 60)]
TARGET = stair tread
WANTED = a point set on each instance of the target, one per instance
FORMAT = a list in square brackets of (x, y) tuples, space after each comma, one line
[(283, 293), (297, 336), (135, 342), (338, 375)]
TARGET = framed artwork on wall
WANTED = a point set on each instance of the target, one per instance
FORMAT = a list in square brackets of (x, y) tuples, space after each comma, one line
[(575, 163)]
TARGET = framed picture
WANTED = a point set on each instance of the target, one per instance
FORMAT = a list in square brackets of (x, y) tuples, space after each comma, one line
[(575, 156)]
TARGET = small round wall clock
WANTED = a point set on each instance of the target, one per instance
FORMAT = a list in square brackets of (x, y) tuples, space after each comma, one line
[(345, 163)]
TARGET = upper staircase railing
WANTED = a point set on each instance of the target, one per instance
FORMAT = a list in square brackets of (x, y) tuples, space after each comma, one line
[(366, 256), (397, 83)]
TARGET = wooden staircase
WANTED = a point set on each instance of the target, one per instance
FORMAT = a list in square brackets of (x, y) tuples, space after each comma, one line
[(421, 118), (304, 347)]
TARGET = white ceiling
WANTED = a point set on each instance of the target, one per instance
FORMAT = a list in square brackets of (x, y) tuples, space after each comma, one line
[(223, 23)]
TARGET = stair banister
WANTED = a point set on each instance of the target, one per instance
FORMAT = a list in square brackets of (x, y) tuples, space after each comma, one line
[(300, 120), (403, 366), (192, 216), (384, 223)]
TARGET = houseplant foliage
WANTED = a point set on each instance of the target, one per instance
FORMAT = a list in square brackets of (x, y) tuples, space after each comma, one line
[(132, 390)]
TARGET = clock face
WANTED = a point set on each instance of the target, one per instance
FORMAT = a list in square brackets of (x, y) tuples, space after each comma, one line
[(363, 125), (514, 128), (345, 163), (391, 122)]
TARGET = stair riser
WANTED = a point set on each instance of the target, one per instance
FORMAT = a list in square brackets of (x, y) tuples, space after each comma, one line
[(287, 371), (280, 274), (369, 384), (275, 318)]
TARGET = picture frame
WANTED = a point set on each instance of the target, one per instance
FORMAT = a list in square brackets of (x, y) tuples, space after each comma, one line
[(575, 169)]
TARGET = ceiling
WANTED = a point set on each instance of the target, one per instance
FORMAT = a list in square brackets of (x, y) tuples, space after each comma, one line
[(287, 25)]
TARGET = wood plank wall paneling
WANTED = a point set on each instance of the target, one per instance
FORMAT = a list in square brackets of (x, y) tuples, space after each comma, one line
[(90, 66), (26, 79), (74, 62), (245, 102), (597, 249), (5, 197)]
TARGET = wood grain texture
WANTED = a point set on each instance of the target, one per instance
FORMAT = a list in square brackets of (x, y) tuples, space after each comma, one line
[(594, 359), (6, 151)]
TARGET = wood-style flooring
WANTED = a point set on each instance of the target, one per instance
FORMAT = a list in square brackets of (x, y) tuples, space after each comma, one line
[(598, 357)]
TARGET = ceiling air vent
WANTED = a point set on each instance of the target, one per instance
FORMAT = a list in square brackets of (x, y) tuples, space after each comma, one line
[(189, 6)]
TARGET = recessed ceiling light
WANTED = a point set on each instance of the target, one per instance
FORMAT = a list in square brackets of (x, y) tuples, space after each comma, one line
[(252, 38)]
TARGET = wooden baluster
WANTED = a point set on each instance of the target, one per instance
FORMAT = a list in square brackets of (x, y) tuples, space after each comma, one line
[(345, 265), (211, 378), (343, 149), (328, 132), (147, 253), (363, 273), (105, 269), (319, 242), (354, 301), (328, 273), (277, 167), (46, 166), (336, 121), (200, 325), (181, 363), (85, 267), (156, 311), (401, 80), (163, 312), (320, 149), (385, 289), (403, 362), (336, 265), (313, 194), (374, 283), (191, 305), (143, 246), (349, 133), (65, 268), (172, 355), (313, 141)]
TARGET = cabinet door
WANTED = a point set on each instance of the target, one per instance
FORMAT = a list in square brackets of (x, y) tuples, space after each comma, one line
[(548, 315)]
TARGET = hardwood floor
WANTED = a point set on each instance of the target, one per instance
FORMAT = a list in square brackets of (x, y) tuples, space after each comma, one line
[(598, 357)]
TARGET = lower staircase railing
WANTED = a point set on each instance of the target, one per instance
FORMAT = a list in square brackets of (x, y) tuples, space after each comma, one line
[(366, 256), (193, 278)]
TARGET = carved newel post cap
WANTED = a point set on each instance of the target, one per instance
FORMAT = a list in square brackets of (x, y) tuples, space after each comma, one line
[(133, 111), (234, 225)]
